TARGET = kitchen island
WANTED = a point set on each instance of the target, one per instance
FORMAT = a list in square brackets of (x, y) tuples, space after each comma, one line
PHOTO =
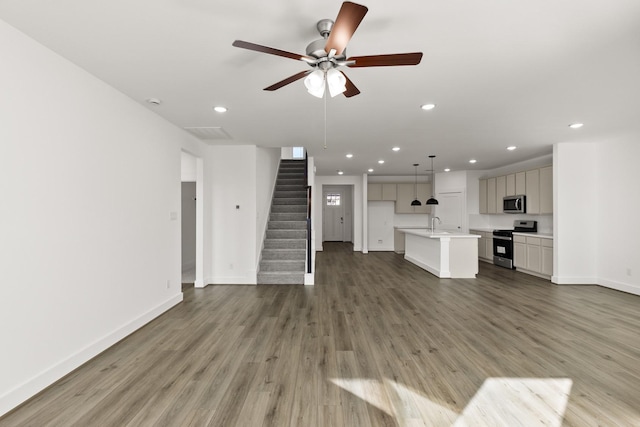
[(444, 254)]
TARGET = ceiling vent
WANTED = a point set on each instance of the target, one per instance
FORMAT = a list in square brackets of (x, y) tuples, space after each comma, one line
[(213, 133)]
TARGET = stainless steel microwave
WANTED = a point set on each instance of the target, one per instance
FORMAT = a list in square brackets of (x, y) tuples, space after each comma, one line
[(514, 204)]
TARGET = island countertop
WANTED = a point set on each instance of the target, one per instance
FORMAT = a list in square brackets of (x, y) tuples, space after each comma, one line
[(438, 234)]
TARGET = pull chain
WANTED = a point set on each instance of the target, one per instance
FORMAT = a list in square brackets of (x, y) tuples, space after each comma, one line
[(325, 121)]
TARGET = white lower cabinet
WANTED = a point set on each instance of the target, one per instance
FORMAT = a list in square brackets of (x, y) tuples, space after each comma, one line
[(534, 261), (485, 244), (519, 252), (547, 257), (533, 255)]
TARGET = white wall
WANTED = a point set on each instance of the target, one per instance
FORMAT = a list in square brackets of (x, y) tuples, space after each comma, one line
[(380, 225), (188, 168), (618, 200), (89, 216), (267, 162), (576, 206), (232, 177)]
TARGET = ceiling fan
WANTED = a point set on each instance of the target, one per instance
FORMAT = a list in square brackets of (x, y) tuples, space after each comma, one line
[(326, 55)]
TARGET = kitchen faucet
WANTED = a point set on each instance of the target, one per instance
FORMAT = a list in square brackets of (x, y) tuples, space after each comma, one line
[(432, 220)]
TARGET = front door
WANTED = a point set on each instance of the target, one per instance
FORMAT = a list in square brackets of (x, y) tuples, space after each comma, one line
[(333, 214)]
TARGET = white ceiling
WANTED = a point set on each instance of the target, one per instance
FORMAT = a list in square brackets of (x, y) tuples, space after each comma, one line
[(502, 72)]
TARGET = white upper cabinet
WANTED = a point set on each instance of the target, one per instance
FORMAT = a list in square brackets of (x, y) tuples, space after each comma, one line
[(546, 190), (483, 195), (511, 184), (501, 191), (406, 194), (521, 185), (491, 196), (536, 184), (374, 191), (533, 191), (389, 192)]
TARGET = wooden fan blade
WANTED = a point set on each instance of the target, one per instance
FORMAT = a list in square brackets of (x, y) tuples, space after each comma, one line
[(352, 90), (287, 80), (386, 60), (347, 22), (270, 50)]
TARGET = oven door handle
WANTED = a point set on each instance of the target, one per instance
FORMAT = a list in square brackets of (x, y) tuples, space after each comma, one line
[(502, 238)]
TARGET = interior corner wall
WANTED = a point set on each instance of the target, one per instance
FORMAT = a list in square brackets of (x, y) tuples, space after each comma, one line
[(188, 168), (267, 164), (232, 232), (89, 228), (618, 251), (575, 219)]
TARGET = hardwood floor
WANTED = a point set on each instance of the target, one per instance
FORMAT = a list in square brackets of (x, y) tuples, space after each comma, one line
[(376, 342)]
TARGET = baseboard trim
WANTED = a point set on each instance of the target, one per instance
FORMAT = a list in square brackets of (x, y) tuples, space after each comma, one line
[(232, 280), (30, 388), (309, 279), (564, 280), (619, 286)]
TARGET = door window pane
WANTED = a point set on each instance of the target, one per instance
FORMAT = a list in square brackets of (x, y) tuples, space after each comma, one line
[(333, 199)]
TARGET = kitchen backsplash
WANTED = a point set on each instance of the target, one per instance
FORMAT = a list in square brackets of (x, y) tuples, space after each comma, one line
[(545, 222)]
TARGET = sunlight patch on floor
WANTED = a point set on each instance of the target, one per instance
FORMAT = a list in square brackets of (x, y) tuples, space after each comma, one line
[(498, 402), (518, 401)]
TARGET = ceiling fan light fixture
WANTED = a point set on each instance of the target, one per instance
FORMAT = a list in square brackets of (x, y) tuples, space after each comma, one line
[(314, 83), (336, 81)]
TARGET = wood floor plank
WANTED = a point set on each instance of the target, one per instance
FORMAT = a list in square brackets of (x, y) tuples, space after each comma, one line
[(376, 342)]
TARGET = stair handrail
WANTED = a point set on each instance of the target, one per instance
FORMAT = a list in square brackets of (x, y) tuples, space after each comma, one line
[(308, 187)]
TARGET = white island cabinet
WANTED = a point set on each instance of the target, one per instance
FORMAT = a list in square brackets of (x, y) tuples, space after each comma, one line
[(444, 254)]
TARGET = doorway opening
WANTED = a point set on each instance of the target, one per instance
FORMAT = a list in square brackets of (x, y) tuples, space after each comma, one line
[(337, 213), (192, 220)]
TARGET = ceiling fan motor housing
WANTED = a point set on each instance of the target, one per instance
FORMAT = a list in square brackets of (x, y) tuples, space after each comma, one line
[(316, 50)]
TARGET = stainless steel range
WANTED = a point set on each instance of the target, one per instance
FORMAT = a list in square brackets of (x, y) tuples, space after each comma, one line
[(503, 242)]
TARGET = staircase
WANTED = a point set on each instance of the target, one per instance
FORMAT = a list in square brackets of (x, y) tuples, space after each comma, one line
[(284, 252)]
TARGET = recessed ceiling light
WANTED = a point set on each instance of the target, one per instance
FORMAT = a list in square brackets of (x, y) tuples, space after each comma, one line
[(369, 170), (220, 109), (381, 161), (340, 173), (511, 147), (447, 170), (576, 125), (472, 161), (396, 149), (428, 106), (349, 156), (154, 101)]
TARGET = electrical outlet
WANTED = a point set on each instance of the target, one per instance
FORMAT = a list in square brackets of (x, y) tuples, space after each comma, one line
[(628, 272), (168, 284), (379, 241)]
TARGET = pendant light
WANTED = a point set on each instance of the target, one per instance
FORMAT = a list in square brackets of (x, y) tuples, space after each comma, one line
[(432, 200), (416, 202)]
